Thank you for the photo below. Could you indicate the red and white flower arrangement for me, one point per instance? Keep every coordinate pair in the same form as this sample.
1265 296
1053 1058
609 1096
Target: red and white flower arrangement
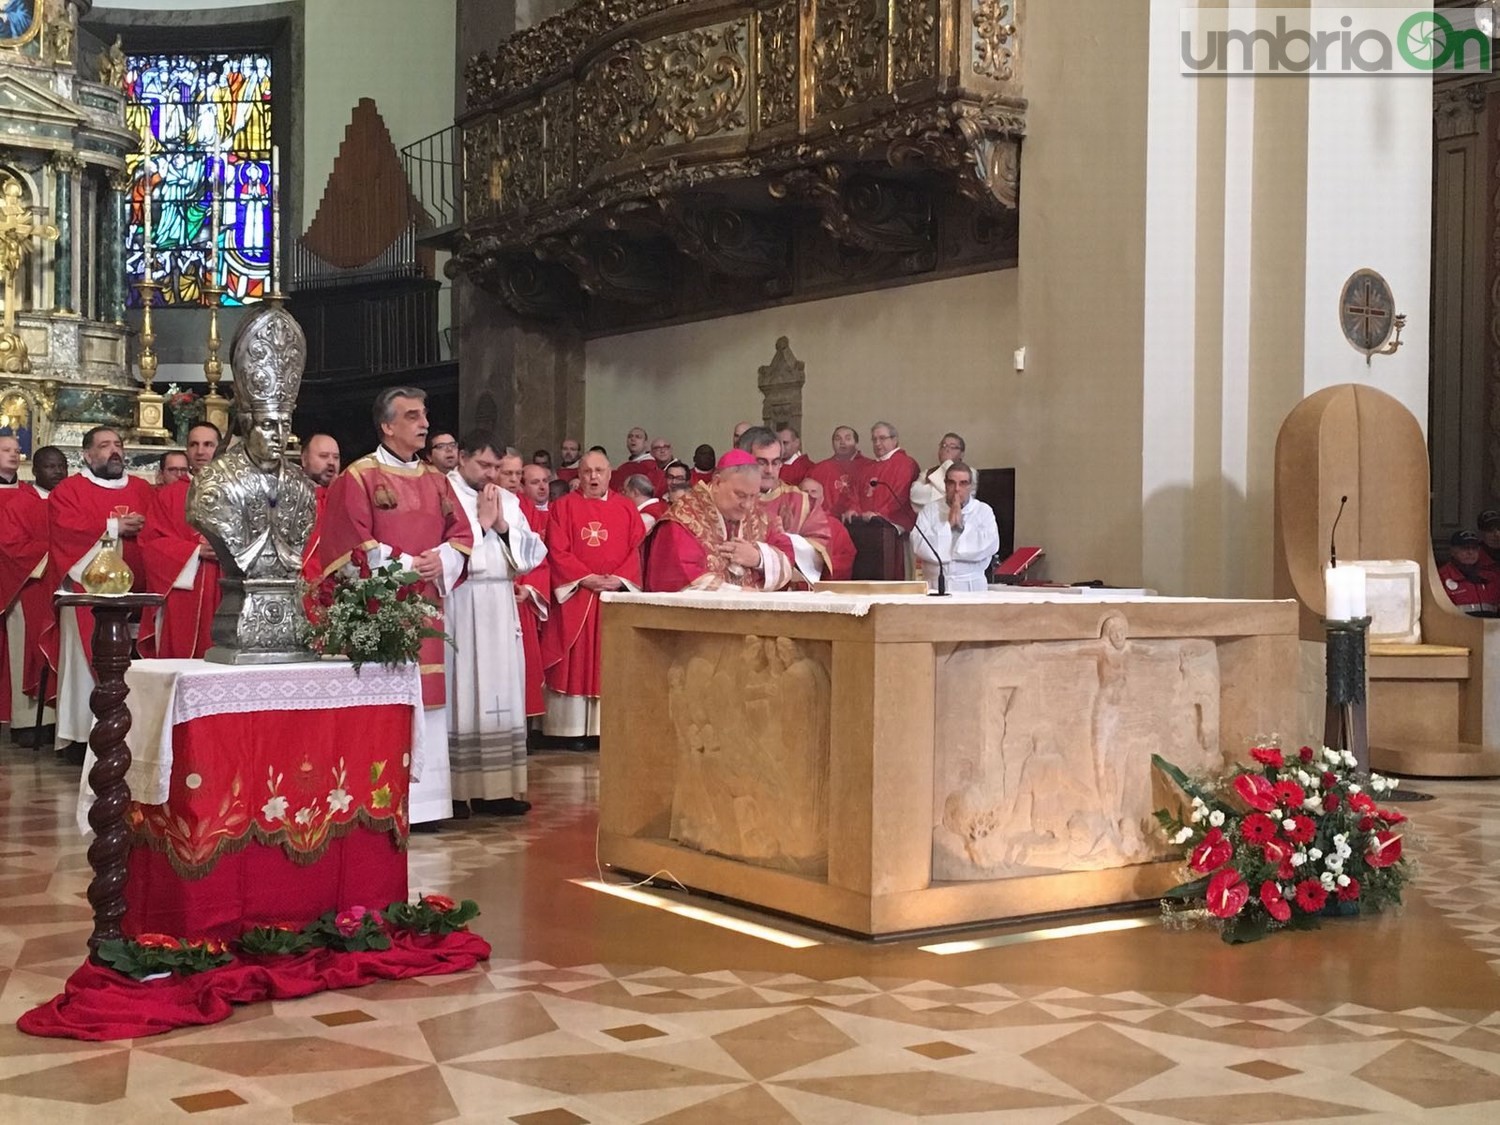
371 616
1281 841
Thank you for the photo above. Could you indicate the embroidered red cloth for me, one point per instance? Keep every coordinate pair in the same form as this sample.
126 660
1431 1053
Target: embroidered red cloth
99 1004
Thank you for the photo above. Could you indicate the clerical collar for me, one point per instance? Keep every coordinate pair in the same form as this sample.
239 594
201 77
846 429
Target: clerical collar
119 482
383 454
889 455
42 492
792 458
11 483
643 457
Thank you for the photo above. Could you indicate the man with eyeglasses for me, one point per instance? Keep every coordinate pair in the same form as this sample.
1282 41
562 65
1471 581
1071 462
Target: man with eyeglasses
442 451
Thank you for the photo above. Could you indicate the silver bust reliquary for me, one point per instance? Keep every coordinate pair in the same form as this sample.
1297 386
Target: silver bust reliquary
255 510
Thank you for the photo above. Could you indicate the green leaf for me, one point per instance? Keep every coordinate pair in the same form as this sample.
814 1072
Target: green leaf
1197 888
1177 776
1246 927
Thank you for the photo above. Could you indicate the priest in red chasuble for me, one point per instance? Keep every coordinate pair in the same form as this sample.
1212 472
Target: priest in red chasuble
844 475
592 540
719 535
795 465
885 492
78 510
637 445
320 461
840 546
806 526
180 564
25 599
395 506
534 589
568 453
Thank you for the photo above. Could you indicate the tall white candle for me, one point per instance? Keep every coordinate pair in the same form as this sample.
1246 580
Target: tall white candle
146 216
1344 593
275 218
218 207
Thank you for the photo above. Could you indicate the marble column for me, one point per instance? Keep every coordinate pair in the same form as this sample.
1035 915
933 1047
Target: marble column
112 251
63 170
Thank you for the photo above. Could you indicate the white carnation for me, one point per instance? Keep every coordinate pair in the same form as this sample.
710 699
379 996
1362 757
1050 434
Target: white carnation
1216 818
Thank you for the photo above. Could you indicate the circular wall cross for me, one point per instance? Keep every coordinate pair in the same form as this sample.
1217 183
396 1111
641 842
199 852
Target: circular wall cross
1367 311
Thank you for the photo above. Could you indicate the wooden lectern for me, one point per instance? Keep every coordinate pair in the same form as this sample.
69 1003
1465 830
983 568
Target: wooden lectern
879 553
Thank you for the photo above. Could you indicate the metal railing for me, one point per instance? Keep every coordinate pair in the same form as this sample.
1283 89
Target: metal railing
432 170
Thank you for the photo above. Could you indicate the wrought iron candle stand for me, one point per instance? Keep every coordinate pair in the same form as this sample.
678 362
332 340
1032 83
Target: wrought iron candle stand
1345 720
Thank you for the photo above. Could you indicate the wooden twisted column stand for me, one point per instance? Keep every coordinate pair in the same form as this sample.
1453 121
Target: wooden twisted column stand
110 851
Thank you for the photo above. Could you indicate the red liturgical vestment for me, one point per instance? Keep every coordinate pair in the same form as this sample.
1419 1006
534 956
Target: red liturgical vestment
890 499
169 545
843 482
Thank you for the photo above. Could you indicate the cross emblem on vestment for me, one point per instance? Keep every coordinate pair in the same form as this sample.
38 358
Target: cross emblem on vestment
595 534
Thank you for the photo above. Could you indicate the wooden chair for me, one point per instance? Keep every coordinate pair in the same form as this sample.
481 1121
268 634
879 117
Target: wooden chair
1432 712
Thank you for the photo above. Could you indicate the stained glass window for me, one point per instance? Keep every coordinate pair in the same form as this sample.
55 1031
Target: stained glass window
204 122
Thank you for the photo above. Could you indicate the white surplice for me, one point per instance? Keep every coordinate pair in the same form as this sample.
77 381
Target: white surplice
965 550
486 673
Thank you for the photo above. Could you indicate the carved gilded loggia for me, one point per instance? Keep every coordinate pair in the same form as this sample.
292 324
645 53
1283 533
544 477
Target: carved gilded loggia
668 154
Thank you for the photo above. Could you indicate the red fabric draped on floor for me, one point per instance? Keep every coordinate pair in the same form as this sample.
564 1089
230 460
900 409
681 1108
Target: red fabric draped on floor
99 1004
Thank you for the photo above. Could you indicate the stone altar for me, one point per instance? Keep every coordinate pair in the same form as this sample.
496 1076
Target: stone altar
884 764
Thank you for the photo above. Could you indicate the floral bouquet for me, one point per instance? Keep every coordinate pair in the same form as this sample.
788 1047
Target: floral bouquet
372 617
157 955
1278 843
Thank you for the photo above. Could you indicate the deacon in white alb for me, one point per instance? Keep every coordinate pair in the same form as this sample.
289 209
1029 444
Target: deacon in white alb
962 529
486 672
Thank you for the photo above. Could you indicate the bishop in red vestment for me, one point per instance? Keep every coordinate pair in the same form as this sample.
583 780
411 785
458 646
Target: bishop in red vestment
843 475
592 540
392 505
719 534
25 598
77 512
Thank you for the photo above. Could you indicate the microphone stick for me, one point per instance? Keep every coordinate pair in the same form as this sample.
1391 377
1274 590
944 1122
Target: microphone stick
942 590
1333 554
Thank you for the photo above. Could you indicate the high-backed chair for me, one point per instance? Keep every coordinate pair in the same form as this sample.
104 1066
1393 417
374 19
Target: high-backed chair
1434 702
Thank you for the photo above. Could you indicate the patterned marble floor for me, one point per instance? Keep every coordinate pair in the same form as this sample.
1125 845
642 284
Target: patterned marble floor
600 1010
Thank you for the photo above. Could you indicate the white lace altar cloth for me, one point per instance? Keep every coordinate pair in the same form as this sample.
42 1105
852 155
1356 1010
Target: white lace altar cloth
858 605
164 693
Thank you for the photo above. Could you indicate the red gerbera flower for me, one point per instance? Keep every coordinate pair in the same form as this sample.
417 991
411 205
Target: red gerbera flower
1311 896
1227 894
1385 851
1268 756
1255 791
1257 828
1349 893
1212 852
1276 906
1289 793
1302 831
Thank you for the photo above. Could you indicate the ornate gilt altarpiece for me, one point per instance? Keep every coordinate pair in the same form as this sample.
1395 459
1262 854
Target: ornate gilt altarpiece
634 162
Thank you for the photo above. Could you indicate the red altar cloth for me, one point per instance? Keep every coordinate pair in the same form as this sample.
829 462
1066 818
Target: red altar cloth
304 814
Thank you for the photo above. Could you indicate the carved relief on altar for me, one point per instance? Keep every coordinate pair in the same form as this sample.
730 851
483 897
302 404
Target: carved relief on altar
1044 750
781 383
750 719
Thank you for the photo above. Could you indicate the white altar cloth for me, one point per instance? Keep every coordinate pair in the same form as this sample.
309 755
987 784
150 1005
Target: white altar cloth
164 693
858 605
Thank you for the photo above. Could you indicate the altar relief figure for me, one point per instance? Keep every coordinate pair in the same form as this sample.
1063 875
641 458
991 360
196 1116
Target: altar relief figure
1044 750
750 719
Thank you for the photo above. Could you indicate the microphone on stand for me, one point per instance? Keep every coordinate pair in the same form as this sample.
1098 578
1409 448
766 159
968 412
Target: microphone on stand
1333 551
942 590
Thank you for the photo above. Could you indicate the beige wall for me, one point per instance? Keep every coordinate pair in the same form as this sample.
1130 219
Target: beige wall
938 355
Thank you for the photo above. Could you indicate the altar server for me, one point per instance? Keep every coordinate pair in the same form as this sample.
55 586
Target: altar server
963 531
592 540
180 564
393 505
78 511
25 599
486 664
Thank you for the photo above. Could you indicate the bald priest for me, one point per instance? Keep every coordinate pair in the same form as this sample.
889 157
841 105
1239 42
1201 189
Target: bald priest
719 534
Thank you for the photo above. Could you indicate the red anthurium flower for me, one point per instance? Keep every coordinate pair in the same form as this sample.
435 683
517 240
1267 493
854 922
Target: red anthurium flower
1391 816
1212 852
372 605
1255 791
1257 828
1268 756
1285 870
1276 906
1303 830
1306 753
1289 793
1277 851
439 902
1311 896
1361 803
1227 894
1385 851
1349 893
